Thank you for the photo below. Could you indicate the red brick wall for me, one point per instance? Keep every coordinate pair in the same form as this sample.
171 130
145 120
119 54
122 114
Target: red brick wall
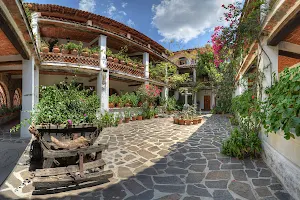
284 62
10 85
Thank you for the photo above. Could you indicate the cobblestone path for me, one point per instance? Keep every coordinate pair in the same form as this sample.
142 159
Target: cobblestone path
156 159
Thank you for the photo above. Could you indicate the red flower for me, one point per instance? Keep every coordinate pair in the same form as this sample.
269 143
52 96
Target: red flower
253 96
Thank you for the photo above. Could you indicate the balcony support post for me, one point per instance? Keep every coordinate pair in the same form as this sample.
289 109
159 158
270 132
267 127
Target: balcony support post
146 65
103 76
35 29
28 94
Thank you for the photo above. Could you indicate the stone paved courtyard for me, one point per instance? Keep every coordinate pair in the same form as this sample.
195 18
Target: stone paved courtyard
156 159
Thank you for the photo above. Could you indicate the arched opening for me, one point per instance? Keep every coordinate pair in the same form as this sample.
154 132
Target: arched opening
182 61
3 95
17 99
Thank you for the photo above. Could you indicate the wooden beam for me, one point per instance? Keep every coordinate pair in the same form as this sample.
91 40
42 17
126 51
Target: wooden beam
289 54
290 47
12 35
285 30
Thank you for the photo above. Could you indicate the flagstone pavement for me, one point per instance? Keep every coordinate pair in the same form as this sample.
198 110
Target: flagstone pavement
156 159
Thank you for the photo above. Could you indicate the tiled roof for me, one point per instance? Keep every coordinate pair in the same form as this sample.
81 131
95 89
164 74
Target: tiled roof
83 16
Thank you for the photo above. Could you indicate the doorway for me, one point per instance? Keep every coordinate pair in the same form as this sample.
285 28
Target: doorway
206 102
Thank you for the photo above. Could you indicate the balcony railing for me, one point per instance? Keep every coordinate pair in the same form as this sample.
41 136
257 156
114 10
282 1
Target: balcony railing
89 61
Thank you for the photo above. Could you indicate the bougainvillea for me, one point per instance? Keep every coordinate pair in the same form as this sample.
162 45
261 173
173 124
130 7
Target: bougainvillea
149 92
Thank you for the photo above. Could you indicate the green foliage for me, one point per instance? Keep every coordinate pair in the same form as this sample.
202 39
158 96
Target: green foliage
241 145
282 107
170 104
65 102
106 120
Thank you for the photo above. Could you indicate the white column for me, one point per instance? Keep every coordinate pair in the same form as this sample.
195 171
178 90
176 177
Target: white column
268 64
195 99
176 94
36 84
146 64
194 75
35 28
103 76
186 98
27 94
165 93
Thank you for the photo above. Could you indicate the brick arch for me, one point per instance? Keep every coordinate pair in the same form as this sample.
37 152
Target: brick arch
4 95
17 98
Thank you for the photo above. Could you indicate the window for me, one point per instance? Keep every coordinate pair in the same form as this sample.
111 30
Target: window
182 61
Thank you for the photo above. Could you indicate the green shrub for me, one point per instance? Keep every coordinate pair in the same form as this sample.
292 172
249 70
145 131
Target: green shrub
241 145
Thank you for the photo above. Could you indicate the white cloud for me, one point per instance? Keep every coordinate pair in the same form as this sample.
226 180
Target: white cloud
124 4
123 12
130 23
87 5
111 9
185 20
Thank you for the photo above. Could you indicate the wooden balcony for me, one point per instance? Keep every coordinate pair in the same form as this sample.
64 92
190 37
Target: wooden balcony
89 61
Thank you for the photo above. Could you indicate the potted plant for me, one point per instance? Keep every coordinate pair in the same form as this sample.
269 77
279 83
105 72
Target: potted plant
120 102
126 98
95 51
195 120
133 116
127 116
155 113
139 116
176 119
181 121
64 49
56 48
109 55
72 47
134 99
199 120
86 52
187 120
112 100
44 46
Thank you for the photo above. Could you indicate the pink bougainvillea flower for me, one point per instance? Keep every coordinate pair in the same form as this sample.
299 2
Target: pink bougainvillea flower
85 115
253 96
69 122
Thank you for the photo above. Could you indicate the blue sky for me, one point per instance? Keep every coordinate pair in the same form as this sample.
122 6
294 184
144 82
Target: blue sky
175 24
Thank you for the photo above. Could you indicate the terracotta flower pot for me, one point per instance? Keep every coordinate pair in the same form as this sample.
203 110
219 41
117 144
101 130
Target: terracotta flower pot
139 117
130 64
156 116
110 59
64 51
116 60
127 119
95 55
133 118
85 54
74 52
195 121
56 49
199 120
122 62
120 121
127 105
176 120
142 68
181 121
45 49
188 122
140 104
111 105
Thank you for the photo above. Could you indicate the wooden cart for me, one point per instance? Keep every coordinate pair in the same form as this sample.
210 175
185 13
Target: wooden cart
64 169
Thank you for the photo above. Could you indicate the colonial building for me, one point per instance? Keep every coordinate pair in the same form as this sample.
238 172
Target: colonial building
279 49
186 60
25 64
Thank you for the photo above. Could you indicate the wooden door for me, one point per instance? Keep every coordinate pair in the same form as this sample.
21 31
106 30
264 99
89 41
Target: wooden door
206 102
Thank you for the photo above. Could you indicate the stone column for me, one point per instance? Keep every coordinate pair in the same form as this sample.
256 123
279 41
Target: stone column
195 80
103 76
268 64
146 64
28 95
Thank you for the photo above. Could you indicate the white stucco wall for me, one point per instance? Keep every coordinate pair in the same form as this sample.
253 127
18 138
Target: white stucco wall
200 97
